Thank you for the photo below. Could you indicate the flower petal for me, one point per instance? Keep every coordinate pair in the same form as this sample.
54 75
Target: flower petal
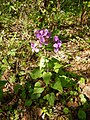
42 39
41 32
36 50
55 45
56 38
56 50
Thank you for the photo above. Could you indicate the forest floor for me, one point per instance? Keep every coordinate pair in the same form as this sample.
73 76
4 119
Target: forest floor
75 53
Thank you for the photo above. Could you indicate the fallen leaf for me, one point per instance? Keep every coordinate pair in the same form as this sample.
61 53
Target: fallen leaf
86 90
72 104
39 111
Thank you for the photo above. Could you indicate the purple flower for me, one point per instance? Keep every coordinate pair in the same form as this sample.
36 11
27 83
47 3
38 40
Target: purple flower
46 33
56 38
57 47
56 50
34 47
42 40
57 44
42 35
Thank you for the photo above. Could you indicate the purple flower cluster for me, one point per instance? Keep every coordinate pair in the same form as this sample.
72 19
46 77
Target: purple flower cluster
57 44
43 36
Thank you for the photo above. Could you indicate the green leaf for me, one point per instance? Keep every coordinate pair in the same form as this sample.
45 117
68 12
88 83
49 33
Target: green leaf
38 84
28 102
51 98
12 52
2 83
57 66
73 92
66 110
47 77
1 110
23 94
5 64
82 80
66 81
81 114
12 79
5 61
57 85
38 88
83 99
88 41
54 9
36 73
35 96
50 64
17 88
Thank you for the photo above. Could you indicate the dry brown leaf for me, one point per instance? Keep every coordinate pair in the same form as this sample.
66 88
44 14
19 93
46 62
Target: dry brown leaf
86 90
72 104
39 111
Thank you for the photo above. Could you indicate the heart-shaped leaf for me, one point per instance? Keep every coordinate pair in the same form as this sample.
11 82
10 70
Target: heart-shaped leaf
38 88
36 73
47 77
57 85
51 98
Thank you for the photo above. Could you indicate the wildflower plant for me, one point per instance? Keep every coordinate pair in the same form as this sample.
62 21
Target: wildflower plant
49 75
